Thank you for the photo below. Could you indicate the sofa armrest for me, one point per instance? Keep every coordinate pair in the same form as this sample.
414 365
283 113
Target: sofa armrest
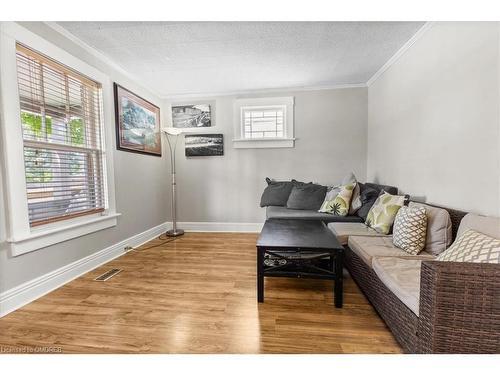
459 307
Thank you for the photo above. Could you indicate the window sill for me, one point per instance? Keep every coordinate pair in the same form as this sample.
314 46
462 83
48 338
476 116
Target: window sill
49 236
264 143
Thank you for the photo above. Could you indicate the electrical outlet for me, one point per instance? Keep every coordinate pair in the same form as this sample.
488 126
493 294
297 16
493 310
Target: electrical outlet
128 248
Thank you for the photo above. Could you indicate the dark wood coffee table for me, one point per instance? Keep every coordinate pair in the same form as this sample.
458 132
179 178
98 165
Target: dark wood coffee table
301 249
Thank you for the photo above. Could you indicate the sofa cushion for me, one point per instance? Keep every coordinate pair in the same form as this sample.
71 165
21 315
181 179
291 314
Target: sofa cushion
276 193
488 225
401 277
473 247
306 197
368 247
439 235
275 212
410 227
344 230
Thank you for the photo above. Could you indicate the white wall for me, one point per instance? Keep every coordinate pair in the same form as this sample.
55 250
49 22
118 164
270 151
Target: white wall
141 191
330 127
433 119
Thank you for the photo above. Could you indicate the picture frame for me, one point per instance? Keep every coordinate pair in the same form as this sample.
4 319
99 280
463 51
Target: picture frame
204 145
137 123
193 116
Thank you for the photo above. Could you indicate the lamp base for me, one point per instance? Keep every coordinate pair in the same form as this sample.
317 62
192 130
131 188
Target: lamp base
176 233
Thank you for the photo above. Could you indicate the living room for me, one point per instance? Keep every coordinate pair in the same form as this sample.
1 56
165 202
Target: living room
216 156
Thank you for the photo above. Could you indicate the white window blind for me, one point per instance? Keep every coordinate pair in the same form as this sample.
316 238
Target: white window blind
263 122
61 114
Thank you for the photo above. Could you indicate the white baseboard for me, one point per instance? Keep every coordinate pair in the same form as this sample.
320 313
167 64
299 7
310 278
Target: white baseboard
206 226
23 294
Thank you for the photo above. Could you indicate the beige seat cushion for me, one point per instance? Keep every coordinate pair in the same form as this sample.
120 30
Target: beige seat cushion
488 225
369 247
401 277
344 230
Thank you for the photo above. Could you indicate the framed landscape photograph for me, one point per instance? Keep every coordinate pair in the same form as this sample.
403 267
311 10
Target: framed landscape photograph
204 144
137 123
192 116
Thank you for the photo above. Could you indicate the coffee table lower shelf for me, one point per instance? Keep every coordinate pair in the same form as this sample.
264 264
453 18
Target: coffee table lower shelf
326 264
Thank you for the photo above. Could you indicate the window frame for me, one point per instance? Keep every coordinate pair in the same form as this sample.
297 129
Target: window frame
287 140
22 238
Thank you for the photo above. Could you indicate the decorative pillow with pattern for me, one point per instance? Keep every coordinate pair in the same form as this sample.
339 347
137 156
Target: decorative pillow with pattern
473 247
331 194
383 212
410 229
339 206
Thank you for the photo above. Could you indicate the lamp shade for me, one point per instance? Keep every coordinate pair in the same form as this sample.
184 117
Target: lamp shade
172 131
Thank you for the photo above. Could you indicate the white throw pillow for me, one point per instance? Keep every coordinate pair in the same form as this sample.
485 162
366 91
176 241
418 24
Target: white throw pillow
409 230
473 247
439 234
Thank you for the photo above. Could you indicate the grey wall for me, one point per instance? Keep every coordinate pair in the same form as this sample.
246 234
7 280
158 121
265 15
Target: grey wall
433 119
141 193
330 127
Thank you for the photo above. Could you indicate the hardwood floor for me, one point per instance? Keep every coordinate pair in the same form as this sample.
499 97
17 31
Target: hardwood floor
197 295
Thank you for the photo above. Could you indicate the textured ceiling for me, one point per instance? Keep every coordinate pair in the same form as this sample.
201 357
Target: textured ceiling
177 58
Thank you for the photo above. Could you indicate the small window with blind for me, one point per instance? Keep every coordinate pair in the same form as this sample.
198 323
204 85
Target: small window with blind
61 118
264 122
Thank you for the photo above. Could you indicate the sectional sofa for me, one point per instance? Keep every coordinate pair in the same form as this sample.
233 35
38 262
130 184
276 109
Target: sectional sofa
430 306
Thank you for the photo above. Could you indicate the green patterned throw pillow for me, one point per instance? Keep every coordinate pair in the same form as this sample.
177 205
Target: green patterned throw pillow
381 215
339 206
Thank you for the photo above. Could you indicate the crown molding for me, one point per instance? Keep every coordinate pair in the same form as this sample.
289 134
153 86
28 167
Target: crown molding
400 52
263 91
98 55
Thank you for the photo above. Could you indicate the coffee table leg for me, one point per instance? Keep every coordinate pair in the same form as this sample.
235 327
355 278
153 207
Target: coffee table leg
339 279
260 274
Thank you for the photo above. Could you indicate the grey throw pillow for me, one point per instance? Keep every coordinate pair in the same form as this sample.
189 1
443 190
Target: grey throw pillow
367 196
306 197
276 193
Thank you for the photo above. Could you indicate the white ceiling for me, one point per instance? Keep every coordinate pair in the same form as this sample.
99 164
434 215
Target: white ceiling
182 58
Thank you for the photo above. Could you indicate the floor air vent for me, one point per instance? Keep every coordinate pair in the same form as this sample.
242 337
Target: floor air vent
108 275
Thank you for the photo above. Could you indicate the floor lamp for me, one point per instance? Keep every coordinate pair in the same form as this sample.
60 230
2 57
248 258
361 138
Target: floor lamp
172 145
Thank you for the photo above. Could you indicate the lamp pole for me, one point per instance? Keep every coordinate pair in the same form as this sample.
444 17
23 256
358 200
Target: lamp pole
174 232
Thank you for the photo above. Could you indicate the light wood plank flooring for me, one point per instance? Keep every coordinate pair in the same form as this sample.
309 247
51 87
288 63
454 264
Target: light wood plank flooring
197 295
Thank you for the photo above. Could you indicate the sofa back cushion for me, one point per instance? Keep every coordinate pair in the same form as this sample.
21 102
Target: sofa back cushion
306 197
387 188
488 225
276 193
439 235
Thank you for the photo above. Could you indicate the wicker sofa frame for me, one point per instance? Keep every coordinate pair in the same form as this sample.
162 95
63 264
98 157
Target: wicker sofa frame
459 304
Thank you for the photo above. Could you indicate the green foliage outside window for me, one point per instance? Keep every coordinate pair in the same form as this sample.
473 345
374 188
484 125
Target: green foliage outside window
76 131
38 163
34 123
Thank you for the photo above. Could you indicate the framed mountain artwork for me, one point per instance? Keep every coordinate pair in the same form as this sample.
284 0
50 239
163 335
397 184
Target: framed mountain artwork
137 123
